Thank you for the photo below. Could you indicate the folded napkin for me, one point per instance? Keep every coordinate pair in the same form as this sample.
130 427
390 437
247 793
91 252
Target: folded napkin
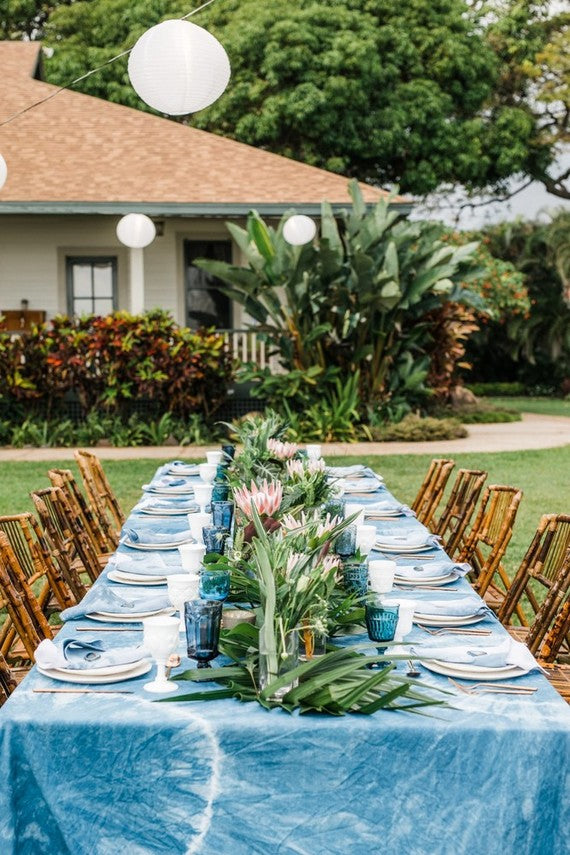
168 503
149 564
82 655
366 484
148 536
508 652
419 571
101 599
387 506
181 467
346 471
460 606
173 485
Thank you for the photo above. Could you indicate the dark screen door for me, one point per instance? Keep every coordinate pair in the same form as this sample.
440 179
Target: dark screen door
206 306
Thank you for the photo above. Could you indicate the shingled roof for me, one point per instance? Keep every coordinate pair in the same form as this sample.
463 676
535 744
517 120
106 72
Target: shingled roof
77 153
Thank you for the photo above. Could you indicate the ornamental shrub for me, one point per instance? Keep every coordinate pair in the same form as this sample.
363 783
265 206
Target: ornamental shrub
112 362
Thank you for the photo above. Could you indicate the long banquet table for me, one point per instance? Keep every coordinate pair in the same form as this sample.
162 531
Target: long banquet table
96 774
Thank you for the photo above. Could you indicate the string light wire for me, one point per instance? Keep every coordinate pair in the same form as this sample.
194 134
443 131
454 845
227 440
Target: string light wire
89 73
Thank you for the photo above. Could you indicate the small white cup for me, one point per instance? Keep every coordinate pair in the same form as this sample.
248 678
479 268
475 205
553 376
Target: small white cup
365 538
214 457
313 451
197 523
381 575
351 508
191 555
405 616
207 472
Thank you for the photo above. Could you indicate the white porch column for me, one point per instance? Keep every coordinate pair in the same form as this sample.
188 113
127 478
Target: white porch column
136 262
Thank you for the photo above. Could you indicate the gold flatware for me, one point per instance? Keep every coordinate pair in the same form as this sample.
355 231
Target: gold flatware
97 629
494 688
444 630
83 691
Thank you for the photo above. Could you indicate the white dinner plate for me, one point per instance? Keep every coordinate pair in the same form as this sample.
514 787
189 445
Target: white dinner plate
109 617
132 579
136 669
435 581
108 671
167 512
362 488
383 515
473 672
155 547
186 490
447 620
403 548
183 471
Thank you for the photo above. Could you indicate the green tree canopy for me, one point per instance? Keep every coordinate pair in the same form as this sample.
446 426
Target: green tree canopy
420 93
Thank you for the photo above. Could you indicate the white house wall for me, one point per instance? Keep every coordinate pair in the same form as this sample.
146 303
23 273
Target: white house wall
33 251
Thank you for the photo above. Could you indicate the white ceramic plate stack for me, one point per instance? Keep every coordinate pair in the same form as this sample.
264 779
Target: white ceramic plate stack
402 544
384 514
156 547
361 485
183 471
96 676
132 617
163 490
447 620
125 578
430 581
479 673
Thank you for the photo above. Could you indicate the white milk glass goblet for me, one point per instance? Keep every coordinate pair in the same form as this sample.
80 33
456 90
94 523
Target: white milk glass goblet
207 472
214 457
203 495
160 638
381 575
197 523
405 615
314 451
183 587
352 508
191 555
365 538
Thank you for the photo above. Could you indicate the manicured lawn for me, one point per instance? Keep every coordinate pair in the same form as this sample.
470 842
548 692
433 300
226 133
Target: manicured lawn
542 406
542 475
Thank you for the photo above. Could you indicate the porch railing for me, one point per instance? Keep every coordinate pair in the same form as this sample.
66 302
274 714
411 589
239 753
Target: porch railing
248 346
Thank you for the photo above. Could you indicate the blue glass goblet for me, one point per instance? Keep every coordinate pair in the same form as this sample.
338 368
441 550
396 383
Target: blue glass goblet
222 514
229 451
355 578
220 493
214 537
381 623
345 543
335 508
214 584
203 618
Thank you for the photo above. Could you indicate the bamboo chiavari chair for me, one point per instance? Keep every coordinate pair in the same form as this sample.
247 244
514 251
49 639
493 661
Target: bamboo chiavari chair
541 566
63 478
559 677
99 490
66 531
7 681
18 600
459 509
431 492
556 635
493 528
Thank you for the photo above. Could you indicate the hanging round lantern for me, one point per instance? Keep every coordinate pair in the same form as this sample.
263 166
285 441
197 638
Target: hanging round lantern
136 230
3 171
299 230
178 68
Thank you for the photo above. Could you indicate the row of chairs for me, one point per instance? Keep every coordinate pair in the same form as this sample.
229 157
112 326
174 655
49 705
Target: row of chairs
48 561
534 605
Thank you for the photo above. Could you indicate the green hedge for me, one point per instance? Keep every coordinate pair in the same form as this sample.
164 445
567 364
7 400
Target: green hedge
498 390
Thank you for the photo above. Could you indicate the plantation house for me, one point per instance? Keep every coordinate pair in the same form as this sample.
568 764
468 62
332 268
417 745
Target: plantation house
76 164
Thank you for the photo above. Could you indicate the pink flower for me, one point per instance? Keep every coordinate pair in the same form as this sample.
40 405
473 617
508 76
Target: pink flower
295 469
282 450
266 498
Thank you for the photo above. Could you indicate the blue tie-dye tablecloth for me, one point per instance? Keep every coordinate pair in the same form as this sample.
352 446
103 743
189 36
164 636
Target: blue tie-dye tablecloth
122 775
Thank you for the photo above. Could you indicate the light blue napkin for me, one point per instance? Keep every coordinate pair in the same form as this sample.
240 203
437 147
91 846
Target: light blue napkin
149 564
508 652
418 572
168 503
184 467
101 599
406 541
149 536
75 655
385 505
451 606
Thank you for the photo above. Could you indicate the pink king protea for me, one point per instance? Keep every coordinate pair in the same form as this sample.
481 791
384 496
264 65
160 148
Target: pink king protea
282 450
266 498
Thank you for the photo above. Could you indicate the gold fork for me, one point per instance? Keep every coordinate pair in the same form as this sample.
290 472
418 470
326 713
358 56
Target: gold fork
493 688
458 631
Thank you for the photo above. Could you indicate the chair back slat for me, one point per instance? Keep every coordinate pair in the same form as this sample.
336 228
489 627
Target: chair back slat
68 535
492 529
63 478
7 682
23 609
99 490
431 491
459 508
556 635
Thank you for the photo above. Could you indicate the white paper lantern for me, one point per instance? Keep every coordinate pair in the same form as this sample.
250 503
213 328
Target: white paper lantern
299 229
3 171
178 68
136 230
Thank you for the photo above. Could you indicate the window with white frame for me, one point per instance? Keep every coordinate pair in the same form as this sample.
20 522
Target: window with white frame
91 285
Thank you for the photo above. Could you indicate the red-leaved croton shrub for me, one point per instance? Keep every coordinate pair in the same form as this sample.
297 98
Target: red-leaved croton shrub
110 361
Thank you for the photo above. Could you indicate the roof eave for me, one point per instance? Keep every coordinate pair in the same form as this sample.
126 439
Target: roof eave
182 209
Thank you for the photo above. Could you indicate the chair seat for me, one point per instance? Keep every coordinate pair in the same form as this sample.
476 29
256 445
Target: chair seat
559 677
